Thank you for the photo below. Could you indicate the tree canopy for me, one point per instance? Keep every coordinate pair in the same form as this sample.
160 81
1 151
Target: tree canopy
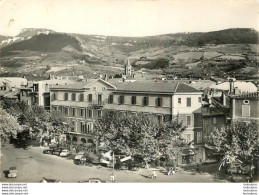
138 134
35 118
9 126
237 141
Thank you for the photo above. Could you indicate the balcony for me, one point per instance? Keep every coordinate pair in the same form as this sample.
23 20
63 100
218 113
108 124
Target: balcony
98 104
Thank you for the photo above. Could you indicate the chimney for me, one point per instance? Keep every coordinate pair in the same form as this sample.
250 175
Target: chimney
105 77
231 85
236 91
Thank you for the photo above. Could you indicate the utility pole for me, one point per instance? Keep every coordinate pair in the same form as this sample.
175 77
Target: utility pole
113 159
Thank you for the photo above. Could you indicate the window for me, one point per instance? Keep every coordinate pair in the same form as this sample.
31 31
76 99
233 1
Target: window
133 100
199 137
66 96
188 101
82 112
60 109
188 120
82 127
246 101
66 110
73 126
73 97
214 120
103 88
89 128
145 101
245 110
94 88
159 102
99 113
73 112
81 97
110 100
199 99
90 97
55 96
121 99
179 100
90 113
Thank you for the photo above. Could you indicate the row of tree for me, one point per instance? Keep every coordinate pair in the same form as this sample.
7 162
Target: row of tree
139 134
132 134
19 119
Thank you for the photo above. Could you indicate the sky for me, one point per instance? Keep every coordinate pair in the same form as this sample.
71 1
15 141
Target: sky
127 17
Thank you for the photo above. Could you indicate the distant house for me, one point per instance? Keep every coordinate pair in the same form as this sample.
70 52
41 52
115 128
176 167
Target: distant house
244 107
7 83
10 86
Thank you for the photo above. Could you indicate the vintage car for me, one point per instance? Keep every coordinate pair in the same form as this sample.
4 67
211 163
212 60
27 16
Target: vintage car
57 151
79 155
149 173
48 151
12 173
65 153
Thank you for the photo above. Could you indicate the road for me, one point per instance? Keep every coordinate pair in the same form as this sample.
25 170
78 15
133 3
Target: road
32 165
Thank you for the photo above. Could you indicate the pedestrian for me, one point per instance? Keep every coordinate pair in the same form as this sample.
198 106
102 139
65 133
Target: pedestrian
112 177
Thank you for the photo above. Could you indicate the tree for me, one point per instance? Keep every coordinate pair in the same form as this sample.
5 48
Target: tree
137 134
237 141
9 127
36 118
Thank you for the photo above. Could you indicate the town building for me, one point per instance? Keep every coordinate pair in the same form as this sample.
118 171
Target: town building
10 86
232 105
7 83
84 102
244 107
38 92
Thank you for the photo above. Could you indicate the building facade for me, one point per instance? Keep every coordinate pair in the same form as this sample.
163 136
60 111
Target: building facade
220 112
83 103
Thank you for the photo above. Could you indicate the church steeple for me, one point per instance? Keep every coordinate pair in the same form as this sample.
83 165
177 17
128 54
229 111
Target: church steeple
128 68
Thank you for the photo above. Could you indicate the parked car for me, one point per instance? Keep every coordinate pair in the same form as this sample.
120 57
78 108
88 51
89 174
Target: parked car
57 151
12 173
79 155
93 180
48 151
65 153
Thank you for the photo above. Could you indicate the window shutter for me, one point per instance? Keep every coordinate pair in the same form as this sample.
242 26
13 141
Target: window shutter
90 97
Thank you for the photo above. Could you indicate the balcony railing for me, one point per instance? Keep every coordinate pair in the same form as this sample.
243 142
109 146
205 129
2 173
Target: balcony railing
98 103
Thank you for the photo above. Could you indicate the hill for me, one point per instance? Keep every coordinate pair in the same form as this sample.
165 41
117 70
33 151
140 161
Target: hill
230 52
52 42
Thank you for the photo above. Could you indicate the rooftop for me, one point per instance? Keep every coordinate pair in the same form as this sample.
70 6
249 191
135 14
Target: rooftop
158 87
